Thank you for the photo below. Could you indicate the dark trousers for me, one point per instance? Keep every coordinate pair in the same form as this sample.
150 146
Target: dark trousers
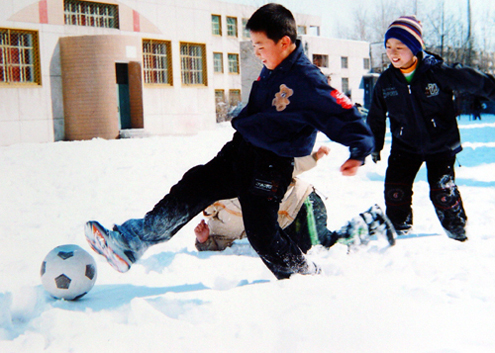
258 178
401 172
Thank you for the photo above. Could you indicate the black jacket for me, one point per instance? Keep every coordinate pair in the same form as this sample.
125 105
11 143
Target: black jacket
288 105
422 113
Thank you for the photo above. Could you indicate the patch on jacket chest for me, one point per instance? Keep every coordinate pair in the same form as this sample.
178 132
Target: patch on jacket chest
389 92
281 100
341 99
432 90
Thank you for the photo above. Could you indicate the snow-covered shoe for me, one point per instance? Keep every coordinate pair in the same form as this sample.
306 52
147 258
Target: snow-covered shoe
101 240
355 233
379 224
457 233
311 268
403 229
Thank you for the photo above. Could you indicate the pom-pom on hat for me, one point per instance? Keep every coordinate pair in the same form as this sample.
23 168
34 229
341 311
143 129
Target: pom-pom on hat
409 31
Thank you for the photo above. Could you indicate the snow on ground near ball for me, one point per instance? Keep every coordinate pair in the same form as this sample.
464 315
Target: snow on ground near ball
431 294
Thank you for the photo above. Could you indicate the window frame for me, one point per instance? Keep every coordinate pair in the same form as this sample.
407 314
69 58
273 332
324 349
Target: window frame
234 93
347 84
245 31
148 71
217 55
190 71
366 63
219 99
213 24
237 67
232 29
9 62
81 13
344 62
324 60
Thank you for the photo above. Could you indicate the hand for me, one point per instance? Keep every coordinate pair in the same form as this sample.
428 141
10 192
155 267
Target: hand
202 231
322 151
350 167
375 156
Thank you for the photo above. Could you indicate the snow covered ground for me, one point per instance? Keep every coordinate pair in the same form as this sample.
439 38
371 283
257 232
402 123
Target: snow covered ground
431 294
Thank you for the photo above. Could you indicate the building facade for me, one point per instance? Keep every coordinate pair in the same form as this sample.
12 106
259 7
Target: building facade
76 70
344 62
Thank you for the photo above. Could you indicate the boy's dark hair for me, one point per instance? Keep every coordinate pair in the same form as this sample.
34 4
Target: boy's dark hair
275 21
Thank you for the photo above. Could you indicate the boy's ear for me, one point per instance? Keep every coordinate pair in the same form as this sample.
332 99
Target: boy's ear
286 42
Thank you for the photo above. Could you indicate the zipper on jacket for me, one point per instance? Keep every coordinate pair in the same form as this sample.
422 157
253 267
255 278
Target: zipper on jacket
418 123
402 128
433 122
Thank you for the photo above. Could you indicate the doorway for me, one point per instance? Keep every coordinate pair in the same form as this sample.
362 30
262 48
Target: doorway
123 96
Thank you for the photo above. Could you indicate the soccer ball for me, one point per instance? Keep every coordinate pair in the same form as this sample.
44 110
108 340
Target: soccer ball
68 272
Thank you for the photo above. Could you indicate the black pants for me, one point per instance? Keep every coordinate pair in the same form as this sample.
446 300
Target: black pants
401 172
259 178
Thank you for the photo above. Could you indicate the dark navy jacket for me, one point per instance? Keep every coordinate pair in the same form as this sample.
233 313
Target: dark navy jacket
422 114
289 127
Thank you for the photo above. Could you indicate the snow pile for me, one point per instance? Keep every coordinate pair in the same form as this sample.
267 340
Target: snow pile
431 294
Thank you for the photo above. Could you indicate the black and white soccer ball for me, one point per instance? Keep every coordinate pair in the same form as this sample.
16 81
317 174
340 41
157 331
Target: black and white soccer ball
68 272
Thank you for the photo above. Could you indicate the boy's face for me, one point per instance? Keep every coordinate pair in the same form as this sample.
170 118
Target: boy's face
270 53
399 54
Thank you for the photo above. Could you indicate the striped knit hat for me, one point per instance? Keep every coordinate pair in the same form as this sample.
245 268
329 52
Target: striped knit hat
409 31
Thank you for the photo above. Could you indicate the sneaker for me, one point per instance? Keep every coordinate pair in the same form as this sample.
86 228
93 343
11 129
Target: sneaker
379 224
103 242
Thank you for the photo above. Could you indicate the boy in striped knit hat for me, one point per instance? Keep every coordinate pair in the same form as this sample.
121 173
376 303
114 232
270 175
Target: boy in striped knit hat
416 93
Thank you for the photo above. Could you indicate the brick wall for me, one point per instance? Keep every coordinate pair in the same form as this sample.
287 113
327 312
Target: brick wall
89 84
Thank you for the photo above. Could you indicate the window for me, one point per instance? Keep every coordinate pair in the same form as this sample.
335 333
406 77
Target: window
19 56
219 96
233 63
193 64
216 25
245 31
232 26
157 62
366 63
234 97
301 30
320 60
218 62
92 14
345 85
344 62
314 31
221 108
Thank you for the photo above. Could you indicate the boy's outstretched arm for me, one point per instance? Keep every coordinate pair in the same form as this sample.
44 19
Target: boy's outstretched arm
303 164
